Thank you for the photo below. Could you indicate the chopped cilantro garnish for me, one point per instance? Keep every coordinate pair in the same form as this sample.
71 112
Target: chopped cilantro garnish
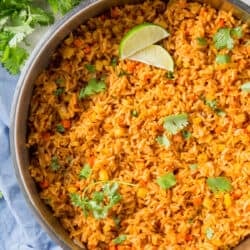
212 104
222 59
59 81
201 41
94 86
123 73
134 113
163 140
170 75
237 32
193 166
219 184
59 91
85 171
90 68
114 61
209 233
60 128
63 6
101 201
166 181
120 239
174 123
186 134
54 163
222 39
245 87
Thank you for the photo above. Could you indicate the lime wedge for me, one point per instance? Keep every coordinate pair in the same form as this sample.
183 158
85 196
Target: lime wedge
154 55
140 37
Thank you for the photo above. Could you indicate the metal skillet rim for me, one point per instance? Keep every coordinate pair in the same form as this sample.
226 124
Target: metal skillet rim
34 57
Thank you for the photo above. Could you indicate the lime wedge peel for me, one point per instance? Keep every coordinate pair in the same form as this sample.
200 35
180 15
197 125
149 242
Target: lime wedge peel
140 37
154 55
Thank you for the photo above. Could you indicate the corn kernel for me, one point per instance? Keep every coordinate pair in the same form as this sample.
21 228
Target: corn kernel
207 203
103 175
141 192
68 52
72 189
227 200
98 65
197 120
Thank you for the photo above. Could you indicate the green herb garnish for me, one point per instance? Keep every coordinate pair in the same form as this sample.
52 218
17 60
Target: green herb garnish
237 32
54 163
212 104
209 233
174 123
59 91
170 75
100 203
201 41
193 166
1 195
59 81
120 239
134 113
163 140
94 86
245 87
90 68
219 184
166 181
222 59
85 171
186 134
114 62
222 39
63 6
123 73
60 128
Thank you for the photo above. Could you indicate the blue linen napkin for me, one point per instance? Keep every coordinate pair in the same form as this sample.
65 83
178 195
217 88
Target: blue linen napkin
18 227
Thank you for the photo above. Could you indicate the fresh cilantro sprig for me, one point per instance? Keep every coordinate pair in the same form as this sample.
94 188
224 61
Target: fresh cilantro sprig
175 123
54 163
19 19
213 105
94 86
163 140
120 239
85 171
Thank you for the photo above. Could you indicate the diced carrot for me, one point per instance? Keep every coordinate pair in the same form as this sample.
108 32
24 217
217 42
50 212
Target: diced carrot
46 136
131 66
78 43
112 247
236 194
221 23
115 12
197 201
188 237
87 50
91 161
142 183
44 184
66 123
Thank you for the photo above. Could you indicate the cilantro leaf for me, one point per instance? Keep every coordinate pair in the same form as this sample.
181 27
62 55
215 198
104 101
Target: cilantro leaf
166 181
201 41
78 201
209 233
94 86
193 166
40 16
170 75
63 6
13 58
111 191
134 113
120 239
5 37
222 59
186 134
59 91
114 61
222 39
99 211
85 171
98 196
90 68
163 140
237 32
174 123
245 87
60 128
212 104
219 184
54 164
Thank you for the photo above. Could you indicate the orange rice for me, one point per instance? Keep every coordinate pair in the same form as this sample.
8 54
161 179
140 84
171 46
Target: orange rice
118 146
